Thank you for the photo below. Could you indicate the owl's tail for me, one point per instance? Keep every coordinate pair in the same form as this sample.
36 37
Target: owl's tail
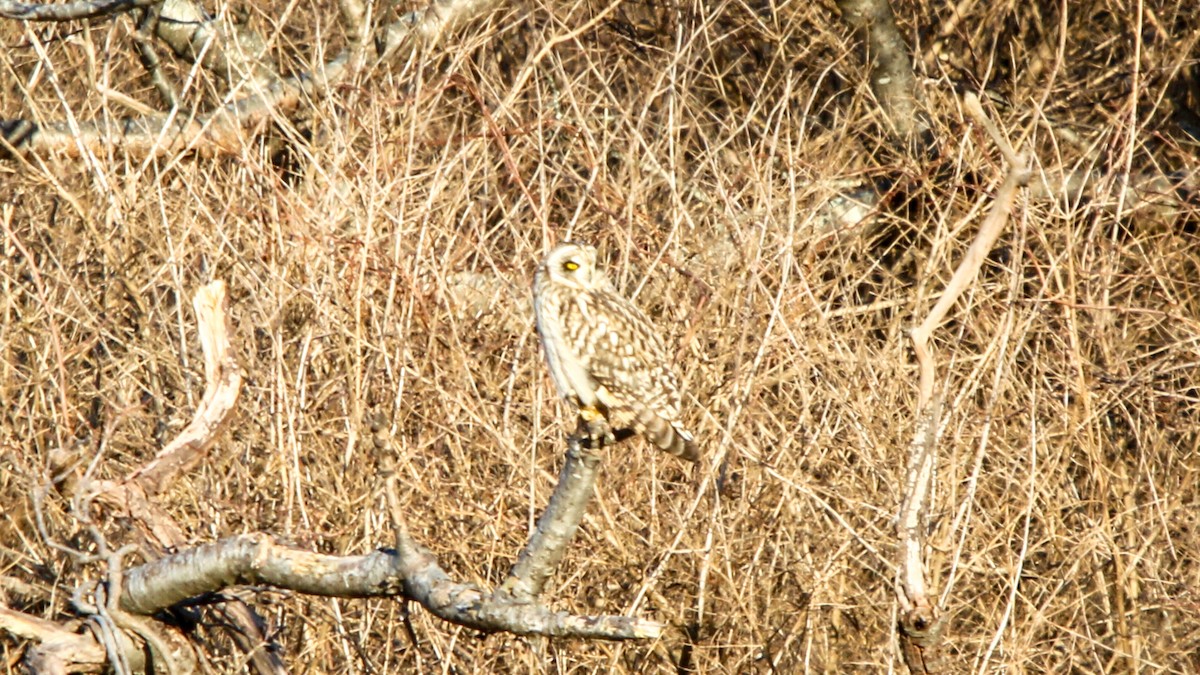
669 436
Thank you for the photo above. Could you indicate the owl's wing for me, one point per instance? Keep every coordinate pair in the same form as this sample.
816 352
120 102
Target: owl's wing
634 379
627 356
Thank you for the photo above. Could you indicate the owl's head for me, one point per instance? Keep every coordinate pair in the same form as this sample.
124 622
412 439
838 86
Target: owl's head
573 265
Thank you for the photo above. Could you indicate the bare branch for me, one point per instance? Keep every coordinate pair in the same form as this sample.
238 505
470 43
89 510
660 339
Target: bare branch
223 384
891 68
133 496
975 110
234 53
557 525
972 261
919 623
429 24
55 646
413 573
68 11
150 135
512 607
148 55
29 627
190 32
1170 191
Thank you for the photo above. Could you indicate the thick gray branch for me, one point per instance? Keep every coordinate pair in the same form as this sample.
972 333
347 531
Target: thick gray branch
412 573
68 11
220 131
556 527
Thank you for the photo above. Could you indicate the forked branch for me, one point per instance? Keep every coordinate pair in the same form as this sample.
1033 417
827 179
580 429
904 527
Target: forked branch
408 571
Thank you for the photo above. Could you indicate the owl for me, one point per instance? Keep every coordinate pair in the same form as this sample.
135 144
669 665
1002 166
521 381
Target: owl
603 353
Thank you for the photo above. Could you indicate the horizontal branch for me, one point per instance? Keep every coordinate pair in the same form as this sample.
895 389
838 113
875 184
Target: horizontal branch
222 130
68 11
256 559
55 646
151 134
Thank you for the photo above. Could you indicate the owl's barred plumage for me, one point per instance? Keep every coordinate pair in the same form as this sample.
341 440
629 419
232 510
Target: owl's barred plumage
604 354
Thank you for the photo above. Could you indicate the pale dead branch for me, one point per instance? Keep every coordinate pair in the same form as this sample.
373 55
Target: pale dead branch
223 378
919 620
975 255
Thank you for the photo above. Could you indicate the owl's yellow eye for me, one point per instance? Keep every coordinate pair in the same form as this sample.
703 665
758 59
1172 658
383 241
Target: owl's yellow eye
570 266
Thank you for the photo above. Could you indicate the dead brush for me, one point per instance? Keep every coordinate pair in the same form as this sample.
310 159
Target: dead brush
377 236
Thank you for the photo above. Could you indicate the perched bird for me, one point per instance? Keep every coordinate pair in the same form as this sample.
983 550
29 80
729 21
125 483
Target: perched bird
604 354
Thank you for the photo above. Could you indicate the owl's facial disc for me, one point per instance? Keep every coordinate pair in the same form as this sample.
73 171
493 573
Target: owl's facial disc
572 264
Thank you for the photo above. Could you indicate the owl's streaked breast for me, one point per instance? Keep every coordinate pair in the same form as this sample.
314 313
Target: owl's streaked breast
569 372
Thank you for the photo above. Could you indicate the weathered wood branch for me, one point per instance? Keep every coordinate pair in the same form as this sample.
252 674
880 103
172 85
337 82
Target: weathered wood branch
193 35
55 645
68 11
557 525
223 384
409 571
920 626
892 78
234 53
973 259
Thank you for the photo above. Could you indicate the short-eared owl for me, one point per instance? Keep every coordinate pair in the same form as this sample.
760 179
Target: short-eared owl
604 354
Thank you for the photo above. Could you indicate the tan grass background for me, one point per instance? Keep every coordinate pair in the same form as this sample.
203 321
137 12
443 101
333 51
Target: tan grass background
694 143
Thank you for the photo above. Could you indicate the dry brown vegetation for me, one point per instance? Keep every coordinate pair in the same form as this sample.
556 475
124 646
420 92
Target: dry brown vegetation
385 266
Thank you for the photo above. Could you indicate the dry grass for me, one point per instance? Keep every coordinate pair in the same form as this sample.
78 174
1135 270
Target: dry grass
692 143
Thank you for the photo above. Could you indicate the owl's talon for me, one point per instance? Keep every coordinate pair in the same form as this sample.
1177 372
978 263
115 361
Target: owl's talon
607 437
594 426
595 432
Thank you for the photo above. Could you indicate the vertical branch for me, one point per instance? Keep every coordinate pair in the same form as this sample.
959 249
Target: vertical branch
891 76
355 22
143 38
972 261
557 525
919 624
